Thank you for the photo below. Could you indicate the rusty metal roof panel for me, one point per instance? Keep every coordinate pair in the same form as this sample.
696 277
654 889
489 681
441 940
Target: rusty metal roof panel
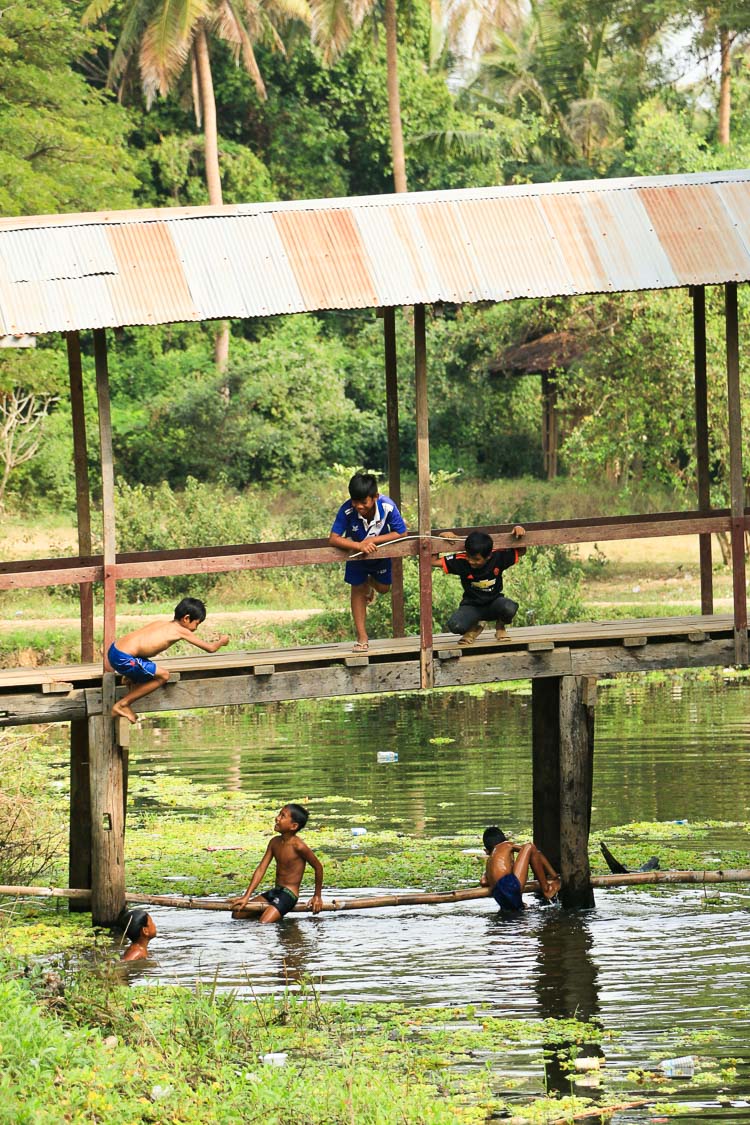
517 253
736 200
526 240
400 274
236 267
150 285
697 234
328 258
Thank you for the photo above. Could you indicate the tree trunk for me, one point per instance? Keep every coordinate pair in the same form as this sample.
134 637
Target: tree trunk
394 100
211 153
725 86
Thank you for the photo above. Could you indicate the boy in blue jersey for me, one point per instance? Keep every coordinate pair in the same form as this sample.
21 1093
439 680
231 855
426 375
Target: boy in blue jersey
506 877
362 525
480 569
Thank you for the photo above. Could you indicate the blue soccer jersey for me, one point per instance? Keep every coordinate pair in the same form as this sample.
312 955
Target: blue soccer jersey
351 525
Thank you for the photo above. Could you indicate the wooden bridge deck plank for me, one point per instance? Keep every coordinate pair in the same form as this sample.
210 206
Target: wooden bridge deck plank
581 633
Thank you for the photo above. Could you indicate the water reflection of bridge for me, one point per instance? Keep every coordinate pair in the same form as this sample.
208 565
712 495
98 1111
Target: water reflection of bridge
79 273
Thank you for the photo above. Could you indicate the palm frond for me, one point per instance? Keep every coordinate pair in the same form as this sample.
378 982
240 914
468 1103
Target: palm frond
95 11
332 27
232 27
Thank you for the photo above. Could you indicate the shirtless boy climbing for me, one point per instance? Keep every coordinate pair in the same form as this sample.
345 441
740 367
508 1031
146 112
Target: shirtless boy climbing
130 655
292 854
507 877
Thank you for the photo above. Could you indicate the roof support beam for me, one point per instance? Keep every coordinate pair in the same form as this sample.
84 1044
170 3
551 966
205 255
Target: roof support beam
394 458
423 498
736 481
698 294
83 494
109 547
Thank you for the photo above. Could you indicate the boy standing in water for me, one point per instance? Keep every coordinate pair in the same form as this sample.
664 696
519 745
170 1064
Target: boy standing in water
362 525
139 928
508 878
130 655
292 854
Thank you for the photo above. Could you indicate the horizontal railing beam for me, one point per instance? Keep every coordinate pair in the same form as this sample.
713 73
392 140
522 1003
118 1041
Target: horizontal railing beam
27 574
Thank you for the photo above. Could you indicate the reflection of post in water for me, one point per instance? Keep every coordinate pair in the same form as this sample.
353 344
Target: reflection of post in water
566 988
295 948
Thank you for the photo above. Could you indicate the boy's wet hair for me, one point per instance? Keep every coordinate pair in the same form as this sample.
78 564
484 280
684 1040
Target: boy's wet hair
299 815
478 543
131 921
363 485
491 837
193 608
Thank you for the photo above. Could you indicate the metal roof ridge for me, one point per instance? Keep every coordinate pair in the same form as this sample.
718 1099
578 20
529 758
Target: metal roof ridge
415 198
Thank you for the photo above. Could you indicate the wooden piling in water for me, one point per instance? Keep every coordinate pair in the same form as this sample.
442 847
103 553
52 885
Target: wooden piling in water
79 848
562 757
107 812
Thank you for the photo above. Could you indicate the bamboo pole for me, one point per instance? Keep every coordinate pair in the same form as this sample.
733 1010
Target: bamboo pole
439 898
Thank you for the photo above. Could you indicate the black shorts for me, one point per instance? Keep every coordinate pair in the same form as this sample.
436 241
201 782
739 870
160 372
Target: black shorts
282 898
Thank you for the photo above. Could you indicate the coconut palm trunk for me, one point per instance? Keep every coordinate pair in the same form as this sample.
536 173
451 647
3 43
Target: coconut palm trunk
394 98
725 87
211 153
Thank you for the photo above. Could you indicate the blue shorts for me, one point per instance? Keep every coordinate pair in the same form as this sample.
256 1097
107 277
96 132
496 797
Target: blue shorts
135 668
507 893
357 572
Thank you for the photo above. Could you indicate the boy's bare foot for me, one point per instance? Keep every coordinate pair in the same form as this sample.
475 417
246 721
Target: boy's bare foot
471 635
360 646
120 710
552 887
501 633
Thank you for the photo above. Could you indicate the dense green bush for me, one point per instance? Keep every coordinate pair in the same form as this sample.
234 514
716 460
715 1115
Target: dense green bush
201 515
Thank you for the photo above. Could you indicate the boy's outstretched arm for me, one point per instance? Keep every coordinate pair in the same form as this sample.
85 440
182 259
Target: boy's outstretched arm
260 870
207 646
316 902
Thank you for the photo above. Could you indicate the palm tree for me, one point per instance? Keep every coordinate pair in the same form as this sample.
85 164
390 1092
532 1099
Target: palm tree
333 24
164 35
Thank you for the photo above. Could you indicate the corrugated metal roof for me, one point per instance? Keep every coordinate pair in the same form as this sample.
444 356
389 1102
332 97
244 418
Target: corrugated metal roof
61 272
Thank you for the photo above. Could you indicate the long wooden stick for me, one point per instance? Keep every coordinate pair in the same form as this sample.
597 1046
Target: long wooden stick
187 902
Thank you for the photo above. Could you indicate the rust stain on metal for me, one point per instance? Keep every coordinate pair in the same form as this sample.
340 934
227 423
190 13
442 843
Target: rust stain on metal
514 250
328 258
567 221
696 233
150 287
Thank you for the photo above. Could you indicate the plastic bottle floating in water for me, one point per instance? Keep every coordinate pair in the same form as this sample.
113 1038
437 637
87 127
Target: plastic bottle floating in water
387 756
682 1067
358 831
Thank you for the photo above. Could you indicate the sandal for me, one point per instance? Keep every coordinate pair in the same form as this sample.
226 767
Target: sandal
361 646
471 634
501 633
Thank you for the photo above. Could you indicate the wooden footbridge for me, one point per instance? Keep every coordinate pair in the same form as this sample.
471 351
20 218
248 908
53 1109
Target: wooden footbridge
74 273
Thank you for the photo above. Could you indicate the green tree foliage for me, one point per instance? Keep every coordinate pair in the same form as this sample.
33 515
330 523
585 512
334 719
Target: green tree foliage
62 143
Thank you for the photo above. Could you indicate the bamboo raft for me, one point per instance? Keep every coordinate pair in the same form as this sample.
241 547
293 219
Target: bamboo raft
186 902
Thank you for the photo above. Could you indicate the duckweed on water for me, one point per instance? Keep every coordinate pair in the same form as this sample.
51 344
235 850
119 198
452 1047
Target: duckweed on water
99 1051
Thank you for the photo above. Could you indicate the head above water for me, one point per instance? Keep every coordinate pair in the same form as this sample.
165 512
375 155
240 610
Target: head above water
491 837
478 545
192 608
133 921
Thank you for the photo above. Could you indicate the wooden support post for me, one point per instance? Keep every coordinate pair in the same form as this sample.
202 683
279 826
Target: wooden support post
107 813
423 497
576 779
736 482
562 725
698 293
108 484
83 495
545 752
394 459
79 844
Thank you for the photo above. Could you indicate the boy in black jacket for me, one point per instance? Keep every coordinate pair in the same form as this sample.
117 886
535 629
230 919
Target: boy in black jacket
480 569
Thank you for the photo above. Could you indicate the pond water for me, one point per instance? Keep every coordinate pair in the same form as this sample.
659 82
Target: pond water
662 969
